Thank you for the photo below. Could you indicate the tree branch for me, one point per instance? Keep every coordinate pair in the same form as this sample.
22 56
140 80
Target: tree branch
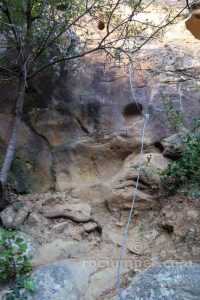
101 47
162 27
71 24
187 4
7 70
6 11
63 59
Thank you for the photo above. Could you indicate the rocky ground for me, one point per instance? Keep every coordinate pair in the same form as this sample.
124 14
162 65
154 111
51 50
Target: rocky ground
169 231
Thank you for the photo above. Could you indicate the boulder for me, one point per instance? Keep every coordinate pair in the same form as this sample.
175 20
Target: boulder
34 218
166 281
62 280
122 184
12 218
174 145
53 281
90 226
7 216
21 216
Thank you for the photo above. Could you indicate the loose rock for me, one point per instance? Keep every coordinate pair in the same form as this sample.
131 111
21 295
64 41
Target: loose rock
33 218
60 226
12 218
173 145
7 216
91 226
20 216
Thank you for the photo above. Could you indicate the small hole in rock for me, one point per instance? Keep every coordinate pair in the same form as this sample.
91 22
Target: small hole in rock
132 109
159 145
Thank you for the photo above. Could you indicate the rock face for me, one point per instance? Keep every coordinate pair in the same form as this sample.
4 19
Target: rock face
94 129
31 169
166 281
53 282
83 137
123 182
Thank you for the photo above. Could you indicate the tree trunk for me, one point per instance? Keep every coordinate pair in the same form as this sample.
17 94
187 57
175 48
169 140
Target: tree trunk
10 151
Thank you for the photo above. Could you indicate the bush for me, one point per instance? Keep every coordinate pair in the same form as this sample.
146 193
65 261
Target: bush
184 174
15 264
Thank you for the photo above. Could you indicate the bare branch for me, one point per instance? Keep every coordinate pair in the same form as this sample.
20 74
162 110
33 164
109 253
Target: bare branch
64 59
159 29
103 47
7 70
187 4
66 28
8 79
41 50
111 14
6 11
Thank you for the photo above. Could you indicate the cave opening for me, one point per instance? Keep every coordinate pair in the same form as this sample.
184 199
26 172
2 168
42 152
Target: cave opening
132 109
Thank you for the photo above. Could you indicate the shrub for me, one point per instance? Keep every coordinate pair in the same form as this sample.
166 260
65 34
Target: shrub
184 174
15 264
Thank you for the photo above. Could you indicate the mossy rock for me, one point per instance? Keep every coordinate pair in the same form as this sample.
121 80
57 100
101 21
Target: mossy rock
20 174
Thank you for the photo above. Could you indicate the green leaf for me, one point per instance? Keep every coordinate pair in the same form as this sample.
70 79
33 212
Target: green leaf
19 240
23 247
29 285
3 275
27 266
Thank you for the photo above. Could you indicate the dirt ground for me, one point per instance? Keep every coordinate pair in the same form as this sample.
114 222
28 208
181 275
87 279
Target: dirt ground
169 231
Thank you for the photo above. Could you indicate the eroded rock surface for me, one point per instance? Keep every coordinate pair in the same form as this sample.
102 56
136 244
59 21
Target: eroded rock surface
86 142
174 145
83 136
169 280
53 282
13 218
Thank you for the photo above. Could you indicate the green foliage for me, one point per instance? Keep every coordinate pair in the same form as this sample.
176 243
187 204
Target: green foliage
196 125
195 5
43 30
14 264
19 287
146 172
28 165
20 175
174 115
49 31
13 258
136 4
184 174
